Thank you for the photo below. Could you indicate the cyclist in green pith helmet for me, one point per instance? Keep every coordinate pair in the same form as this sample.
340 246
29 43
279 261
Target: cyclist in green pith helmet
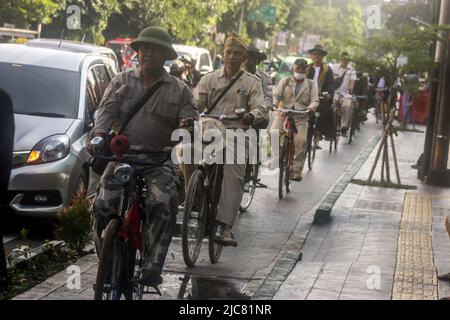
170 107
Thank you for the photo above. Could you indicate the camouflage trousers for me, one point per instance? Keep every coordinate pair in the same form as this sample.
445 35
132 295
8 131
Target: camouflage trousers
160 210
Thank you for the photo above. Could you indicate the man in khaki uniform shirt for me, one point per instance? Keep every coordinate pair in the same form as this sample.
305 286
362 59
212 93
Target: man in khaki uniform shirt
300 93
246 93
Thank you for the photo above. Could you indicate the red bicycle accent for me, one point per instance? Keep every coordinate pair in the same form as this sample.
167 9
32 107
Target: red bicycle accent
131 227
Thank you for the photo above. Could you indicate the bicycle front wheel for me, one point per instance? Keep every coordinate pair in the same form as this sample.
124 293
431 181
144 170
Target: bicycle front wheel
312 147
107 286
249 194
215 250
283 170
194 219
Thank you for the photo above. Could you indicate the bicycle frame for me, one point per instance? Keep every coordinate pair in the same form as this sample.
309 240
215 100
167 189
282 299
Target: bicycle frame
213 186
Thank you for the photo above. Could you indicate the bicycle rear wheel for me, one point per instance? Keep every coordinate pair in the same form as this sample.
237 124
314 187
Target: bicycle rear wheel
312 148
355 122
337 132
215 250
248 195
288 167
194 219
107 284
283 164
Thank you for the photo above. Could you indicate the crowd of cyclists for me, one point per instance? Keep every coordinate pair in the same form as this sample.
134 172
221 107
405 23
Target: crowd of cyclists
136 204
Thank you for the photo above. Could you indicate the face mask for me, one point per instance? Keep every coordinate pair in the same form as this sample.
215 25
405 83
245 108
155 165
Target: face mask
299 76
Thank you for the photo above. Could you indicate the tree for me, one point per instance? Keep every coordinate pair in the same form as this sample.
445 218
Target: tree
398 52
339 27
94 20
255 29
401 15
27 14
394 54
189 21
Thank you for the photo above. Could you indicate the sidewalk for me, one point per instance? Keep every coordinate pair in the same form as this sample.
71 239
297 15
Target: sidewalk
380 243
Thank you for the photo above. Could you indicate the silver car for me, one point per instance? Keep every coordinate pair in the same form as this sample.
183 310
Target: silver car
55 92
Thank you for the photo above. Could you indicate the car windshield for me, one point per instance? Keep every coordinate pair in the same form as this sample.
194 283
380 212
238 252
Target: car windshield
41 91
179 54
286 67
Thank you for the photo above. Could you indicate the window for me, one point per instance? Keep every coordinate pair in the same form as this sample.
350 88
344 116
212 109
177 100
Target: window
90 107
204 60
103 78
93 88
41 91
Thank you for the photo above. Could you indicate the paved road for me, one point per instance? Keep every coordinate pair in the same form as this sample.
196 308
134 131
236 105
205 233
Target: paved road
262 233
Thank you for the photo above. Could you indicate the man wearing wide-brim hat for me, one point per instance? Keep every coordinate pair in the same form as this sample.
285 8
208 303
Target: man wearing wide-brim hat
318 48
222 92
255 57
322 75
149 129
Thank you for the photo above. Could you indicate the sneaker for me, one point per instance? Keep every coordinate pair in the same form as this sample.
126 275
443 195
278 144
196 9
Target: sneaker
344 132
150 279
226 238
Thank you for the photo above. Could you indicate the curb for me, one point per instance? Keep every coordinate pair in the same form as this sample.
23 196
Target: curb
290 257
323 213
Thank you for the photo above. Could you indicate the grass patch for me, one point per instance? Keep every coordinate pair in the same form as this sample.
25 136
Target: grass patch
35 270
383 184
73 228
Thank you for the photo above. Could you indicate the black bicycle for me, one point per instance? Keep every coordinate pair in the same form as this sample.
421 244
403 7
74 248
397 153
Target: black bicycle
252 180
313 140
287 150
121 256
200 209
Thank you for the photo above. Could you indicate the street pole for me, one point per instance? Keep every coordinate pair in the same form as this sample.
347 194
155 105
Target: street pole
434 81
441 139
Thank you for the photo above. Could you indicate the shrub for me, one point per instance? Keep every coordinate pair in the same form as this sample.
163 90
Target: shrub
74 223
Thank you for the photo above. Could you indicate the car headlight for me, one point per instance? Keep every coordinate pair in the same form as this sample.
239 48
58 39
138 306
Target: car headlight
50 149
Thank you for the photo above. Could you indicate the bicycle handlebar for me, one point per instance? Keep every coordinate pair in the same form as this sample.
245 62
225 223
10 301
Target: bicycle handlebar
291 111
221 117
133 158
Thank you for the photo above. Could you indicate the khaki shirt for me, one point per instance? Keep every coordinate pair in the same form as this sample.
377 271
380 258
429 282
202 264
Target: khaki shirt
307 97
247 93
152 127
265 81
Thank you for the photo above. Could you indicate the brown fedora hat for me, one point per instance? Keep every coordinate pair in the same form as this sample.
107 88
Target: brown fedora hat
318 48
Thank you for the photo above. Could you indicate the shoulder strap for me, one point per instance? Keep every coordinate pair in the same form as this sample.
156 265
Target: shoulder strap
138 106
286 83
343 76
224 92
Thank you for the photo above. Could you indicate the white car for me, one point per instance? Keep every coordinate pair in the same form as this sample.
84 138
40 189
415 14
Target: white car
204 63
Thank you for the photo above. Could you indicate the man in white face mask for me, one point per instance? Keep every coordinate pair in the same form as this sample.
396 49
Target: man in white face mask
301 94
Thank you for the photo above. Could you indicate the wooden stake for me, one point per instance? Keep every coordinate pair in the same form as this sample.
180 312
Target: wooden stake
394 154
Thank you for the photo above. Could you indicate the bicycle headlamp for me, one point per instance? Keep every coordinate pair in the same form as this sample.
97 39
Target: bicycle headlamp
123 172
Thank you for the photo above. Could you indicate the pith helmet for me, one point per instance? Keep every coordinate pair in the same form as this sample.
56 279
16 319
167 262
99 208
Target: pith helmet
158 36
